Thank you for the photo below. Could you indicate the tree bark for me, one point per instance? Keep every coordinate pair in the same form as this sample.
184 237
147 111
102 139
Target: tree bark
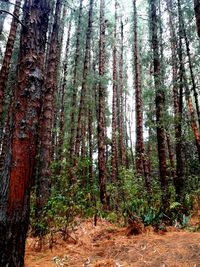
6 60
101 119
82 110
17 173
63 88
160 102
114 149
45 146
122 150
74 92
141 162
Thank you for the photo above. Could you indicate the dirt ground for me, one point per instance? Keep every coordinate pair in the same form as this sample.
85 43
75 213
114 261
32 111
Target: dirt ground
109 246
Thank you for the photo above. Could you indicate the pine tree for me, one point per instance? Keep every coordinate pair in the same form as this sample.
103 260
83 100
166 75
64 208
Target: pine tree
17 173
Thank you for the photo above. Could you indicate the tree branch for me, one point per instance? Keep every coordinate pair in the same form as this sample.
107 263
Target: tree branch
1 11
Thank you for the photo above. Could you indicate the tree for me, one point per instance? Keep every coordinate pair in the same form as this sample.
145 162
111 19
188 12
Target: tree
114 148
141 162
160 102
101 111
86 67
17 173
46 119
6 60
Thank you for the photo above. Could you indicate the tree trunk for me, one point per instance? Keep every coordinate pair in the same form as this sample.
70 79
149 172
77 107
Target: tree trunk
45 147
122 151
178 101
160 102
194 87
141 162
6 60
184 79
82 110
74 92
63 88
17 173
101 119
114 150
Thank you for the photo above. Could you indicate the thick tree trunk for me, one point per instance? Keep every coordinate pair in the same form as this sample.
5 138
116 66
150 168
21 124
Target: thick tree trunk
160 102
45 146
6 60
101 119
17 173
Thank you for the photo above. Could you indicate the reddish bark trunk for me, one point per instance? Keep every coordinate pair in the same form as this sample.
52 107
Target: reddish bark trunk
16 176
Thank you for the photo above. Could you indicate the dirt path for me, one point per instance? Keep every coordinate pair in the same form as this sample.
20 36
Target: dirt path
107 245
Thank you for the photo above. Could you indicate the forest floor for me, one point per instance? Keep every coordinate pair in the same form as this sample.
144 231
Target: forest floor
109 246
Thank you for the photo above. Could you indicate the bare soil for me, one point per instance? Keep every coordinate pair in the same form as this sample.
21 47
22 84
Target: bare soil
110 246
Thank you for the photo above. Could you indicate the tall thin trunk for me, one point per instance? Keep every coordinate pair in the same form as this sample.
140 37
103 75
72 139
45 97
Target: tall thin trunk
74 92
17 173
114 149
187 43
178 99
63 88
44 181
86 67
101 119
171 156
90 143
141 162
160 102
184 79
122 150
6 60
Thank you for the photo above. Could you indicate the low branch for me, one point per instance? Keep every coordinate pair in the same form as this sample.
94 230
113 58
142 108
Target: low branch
4 11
